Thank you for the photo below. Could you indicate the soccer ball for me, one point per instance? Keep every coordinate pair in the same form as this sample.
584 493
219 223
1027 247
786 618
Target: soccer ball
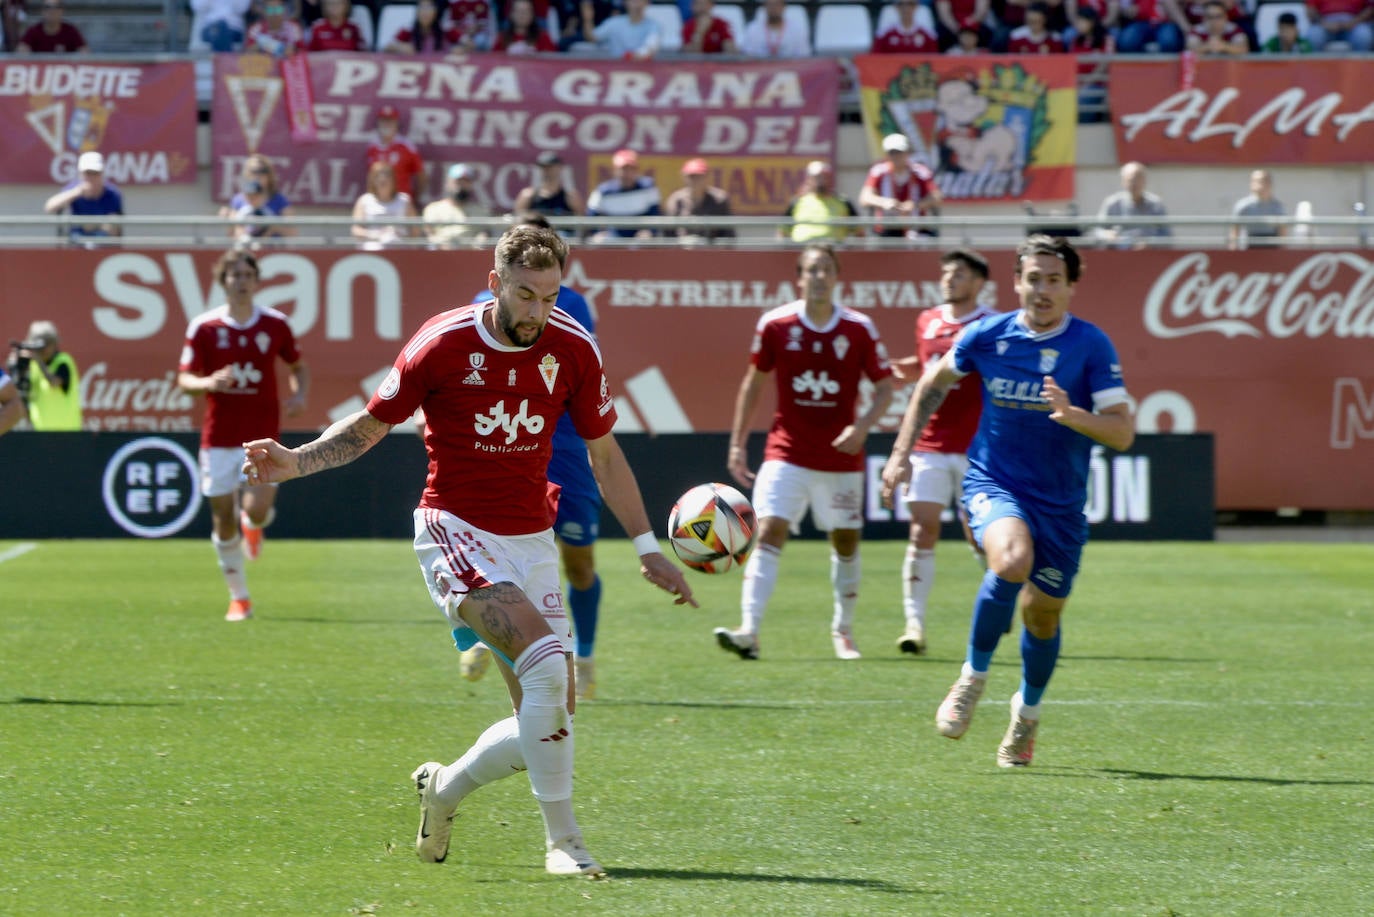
712 527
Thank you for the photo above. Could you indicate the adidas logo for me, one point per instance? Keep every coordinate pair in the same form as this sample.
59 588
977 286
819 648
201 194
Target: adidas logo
474 378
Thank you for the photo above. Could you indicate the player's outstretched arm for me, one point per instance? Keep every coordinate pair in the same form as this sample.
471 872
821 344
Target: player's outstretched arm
267 461
620 490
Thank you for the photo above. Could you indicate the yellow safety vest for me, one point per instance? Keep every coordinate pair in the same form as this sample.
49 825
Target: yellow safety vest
50 408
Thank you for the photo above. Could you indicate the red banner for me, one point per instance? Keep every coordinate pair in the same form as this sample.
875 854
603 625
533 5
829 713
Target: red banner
993 128
1250 110
141 116
300 99
1267 350
757 123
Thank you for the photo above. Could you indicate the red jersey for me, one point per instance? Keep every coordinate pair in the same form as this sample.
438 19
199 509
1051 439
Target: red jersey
1023 41
894 40
817 371
405 162
251 409
1228 35
473 17
67 39
951 428
490 411
914 183
326 37
717 34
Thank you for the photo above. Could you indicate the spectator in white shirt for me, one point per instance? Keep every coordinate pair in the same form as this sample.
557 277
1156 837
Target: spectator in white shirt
773 35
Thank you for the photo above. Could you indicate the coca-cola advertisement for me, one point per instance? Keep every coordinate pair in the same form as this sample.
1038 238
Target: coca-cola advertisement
1268 351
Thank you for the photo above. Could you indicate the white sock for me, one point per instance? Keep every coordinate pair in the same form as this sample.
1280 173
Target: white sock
546 729
230 555
918 576
559 821
969 670
247 520
1022 709
495 754
845 573
760 578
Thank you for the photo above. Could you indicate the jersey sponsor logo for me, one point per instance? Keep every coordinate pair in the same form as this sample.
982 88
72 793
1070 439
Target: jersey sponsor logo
841 345
149 487
510 424
477 360
246 375
390 385
1048 359
548 368
474 378
815 386
1014 390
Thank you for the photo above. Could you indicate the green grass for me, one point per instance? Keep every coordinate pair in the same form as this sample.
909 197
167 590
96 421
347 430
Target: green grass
1206 747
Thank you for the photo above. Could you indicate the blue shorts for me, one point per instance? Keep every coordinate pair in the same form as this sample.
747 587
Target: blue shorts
1059 536
579 505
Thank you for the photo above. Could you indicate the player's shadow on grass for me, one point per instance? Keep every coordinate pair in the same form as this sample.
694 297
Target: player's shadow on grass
69 702
1205 778
702 875
700 705
1171 660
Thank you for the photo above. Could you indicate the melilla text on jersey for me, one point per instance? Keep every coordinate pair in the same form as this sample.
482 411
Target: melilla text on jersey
1017 394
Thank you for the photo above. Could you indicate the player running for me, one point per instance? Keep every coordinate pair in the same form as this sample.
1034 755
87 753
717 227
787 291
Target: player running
1052 387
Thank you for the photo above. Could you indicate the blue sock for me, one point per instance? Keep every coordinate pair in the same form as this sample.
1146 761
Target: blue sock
1037 665
584 605
993 608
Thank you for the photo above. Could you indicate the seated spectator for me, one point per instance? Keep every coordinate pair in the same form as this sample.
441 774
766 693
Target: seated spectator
628 194
1091 33
524 34
89 196
334 32
448 220
394 148
816 205
1035 37
905 36
1260 202
275 33
1133 201
898 186
259 195
706 33
222 22
1154 21
1287 40
1011 15
549 196
426 35
1340 20
771 34
954 16
699 198
570 22
1218 35
472 19
1090 36
53 36
630 35
1108 13
381 202
12 15
970 40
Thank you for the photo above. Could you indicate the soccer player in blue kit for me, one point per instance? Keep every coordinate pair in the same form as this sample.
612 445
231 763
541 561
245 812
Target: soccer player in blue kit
1052 387
578 523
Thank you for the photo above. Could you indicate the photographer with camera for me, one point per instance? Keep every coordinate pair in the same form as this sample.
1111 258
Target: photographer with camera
47 378
11 405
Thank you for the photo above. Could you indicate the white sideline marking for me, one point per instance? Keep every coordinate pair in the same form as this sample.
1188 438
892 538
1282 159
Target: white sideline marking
18 550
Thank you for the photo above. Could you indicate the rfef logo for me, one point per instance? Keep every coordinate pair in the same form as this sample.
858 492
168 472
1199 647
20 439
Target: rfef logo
150 487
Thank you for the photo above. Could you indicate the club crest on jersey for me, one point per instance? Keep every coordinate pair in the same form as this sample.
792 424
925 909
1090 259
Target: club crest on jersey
548 368
263 340
795 333
841 345
1001 347
1048 358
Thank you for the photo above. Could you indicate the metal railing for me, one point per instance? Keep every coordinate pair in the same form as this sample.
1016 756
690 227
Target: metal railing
996 231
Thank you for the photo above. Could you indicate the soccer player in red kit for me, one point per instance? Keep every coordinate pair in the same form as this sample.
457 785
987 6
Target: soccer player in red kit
816 352
393 147
493 379
230 356
940 457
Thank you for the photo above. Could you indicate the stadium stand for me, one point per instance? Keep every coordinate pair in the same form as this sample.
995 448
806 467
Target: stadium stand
391 19
843 28
669 19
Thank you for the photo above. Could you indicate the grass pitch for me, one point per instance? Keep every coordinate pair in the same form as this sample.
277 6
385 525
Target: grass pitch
1205 750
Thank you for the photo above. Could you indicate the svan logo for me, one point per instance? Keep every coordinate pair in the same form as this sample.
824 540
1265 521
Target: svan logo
245 375
510 424
815 385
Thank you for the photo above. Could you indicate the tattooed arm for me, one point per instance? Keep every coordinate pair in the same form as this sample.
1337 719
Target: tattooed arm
267 461
930 393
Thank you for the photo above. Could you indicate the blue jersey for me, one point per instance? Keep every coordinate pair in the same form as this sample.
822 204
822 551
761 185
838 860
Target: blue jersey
573 303
1017 447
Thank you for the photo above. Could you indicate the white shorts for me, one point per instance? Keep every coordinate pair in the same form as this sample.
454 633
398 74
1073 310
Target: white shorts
456 558
221 470
936 477
834 497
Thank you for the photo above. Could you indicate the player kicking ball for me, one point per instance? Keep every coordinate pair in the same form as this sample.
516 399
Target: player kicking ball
493 380
1052 387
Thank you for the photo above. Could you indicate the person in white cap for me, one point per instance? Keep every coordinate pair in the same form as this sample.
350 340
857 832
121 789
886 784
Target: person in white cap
89 195
899 186
448 220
